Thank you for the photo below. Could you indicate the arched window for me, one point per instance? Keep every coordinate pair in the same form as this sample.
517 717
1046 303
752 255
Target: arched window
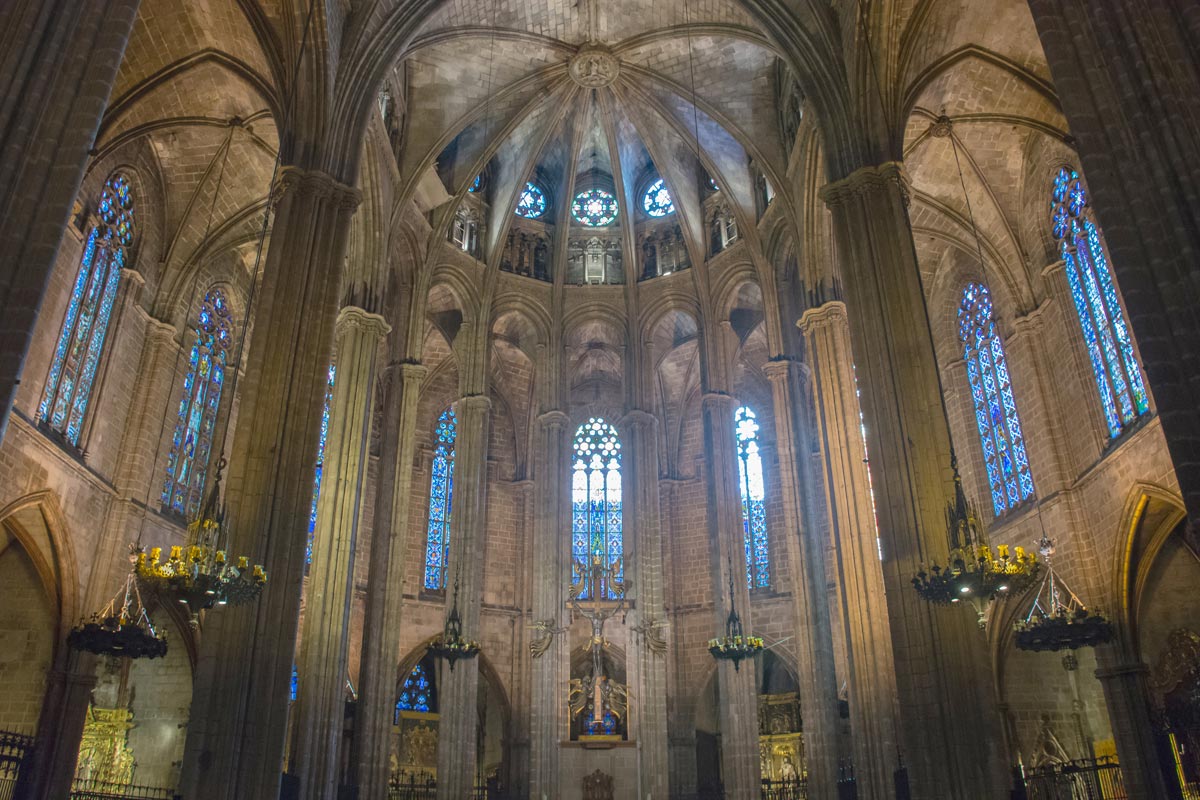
1105 329
312 510
754 494
191 447
81 340
595 208
417 693
995 409
441 496
657 200
532 203
596 519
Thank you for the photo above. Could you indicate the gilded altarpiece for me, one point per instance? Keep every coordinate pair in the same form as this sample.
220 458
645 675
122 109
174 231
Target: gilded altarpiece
780 742
414 744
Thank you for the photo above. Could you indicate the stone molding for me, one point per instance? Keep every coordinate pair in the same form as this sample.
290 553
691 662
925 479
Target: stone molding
361 320
316 184
865 181
710 399
1121 670
594 67
828 313
780 367
1031 323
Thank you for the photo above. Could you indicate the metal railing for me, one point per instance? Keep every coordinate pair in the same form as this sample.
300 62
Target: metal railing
103 790
409 786
15 750
1083 779
788 789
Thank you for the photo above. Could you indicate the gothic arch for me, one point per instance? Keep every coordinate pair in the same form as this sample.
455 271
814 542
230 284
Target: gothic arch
1151 514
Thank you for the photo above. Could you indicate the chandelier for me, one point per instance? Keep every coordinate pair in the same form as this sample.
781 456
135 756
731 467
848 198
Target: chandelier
974 573
199 574
451 645
1057 619
124 632
735 645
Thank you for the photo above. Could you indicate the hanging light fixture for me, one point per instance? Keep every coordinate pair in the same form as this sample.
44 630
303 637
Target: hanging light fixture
199 574
451 645
735 645
1057 618
122 629
974 573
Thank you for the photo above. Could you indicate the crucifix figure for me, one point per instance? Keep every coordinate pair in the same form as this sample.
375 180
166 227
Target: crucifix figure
586 595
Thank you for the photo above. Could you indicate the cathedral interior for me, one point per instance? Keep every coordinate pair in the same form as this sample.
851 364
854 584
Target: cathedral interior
600 399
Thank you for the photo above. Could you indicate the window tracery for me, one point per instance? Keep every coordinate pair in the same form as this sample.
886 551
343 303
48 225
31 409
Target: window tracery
1105 328
657 200
596 510
441 496
81 340
996 419
595 208
532 204
199 408
754 494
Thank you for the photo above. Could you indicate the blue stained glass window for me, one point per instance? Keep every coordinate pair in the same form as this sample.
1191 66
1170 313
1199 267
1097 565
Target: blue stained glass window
441 501
81 340
316 494
996 417
475 184
416 694
294 689
596 516
657 200
595 207
607 726
1102 320
754 494
191 446
532 203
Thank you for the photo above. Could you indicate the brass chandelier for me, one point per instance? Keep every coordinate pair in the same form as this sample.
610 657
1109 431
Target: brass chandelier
452 645
122 629
1057 618
736 644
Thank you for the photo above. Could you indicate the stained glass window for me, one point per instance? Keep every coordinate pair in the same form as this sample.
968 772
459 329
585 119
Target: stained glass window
995 409
475 184
754 494
1101 318
657 200
441 496
595 207
596 520
81 340
532 203
191 446
316 494
294 689
417 692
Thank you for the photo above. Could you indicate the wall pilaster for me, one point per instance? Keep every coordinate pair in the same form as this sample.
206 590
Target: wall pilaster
863 613
321 663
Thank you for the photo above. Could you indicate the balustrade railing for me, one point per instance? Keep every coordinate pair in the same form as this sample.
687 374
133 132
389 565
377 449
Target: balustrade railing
1083 779
15 751
104 790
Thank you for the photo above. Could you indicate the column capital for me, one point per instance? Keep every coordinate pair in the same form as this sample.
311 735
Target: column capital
361 320
865 180
824 315
637 418
779 368
554 419
316 184
717 400
1054 268
474 402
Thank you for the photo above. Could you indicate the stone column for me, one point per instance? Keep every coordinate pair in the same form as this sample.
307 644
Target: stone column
548 684
57 68
236 735
385 580
650 692
863 614
741 769
1128 700
1126 76
952 736
806 556
324 647
459 690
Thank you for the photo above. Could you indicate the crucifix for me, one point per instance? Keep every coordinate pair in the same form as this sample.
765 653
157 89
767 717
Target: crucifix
587 595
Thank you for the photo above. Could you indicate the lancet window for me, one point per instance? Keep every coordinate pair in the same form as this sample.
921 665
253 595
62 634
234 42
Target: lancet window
754 495
596 511
995 408
89 310
199 407
1105 328
441 496
330 377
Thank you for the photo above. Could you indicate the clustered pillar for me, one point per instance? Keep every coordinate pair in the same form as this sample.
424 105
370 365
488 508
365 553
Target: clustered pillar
738 708
322 662
863 614
236 735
